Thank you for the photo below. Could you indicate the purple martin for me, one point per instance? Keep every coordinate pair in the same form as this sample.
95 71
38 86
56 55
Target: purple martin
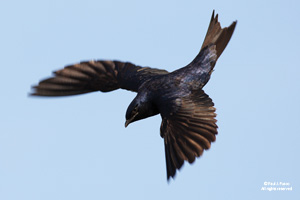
188 117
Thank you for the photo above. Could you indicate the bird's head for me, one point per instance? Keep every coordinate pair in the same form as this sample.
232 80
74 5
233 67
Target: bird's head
139 109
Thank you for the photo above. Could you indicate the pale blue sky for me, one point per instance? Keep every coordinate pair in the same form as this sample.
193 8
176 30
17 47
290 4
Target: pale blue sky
77 147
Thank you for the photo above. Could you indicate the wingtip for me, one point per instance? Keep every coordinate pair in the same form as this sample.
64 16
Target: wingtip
172 175
168 180
33 94
169 177
33 91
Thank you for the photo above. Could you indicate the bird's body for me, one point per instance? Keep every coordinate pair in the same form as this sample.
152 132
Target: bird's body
188 116
165 88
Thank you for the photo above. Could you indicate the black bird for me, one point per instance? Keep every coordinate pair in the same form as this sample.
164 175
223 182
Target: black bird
188 116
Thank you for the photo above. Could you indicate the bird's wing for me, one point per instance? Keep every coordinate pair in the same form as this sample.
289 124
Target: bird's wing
188 130
92 76
217 35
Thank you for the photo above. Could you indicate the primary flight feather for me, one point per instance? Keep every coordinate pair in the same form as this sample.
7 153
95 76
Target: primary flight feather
188 116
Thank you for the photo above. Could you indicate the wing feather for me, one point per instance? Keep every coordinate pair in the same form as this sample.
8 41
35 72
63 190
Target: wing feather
189 130
93 76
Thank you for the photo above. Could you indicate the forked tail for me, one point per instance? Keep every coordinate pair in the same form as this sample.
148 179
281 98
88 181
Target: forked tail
217 35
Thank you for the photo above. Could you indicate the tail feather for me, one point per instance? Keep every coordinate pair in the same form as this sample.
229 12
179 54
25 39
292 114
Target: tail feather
217 35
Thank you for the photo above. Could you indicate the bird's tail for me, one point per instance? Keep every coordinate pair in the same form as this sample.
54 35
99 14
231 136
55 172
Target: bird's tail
198 72
216 35
215 41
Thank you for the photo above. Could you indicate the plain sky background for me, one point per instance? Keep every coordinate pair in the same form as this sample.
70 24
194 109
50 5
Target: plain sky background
77 147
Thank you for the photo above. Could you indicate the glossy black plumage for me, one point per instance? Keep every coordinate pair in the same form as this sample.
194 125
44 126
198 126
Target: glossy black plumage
188 116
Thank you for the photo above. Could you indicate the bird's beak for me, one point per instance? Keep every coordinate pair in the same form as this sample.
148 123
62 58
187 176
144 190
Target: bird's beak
127 122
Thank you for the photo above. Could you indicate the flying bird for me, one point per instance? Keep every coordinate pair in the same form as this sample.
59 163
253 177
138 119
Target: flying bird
188 117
